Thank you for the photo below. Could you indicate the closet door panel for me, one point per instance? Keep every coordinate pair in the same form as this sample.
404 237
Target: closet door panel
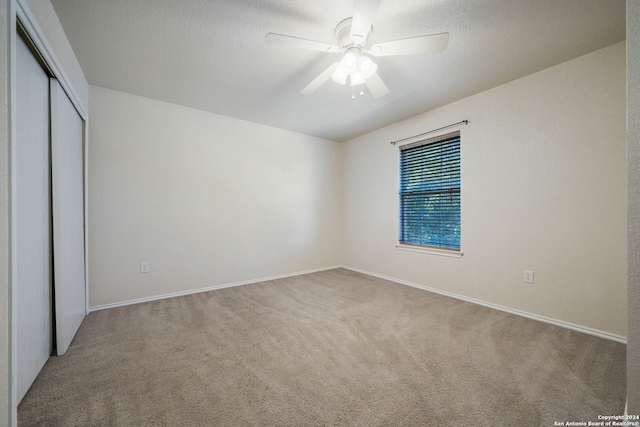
68 217
33 219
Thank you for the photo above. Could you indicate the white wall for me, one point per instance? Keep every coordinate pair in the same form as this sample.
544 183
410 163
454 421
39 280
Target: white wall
633 147
206 199
543 189
5 260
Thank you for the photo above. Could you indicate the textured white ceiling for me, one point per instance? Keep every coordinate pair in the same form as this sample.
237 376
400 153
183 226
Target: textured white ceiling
211 54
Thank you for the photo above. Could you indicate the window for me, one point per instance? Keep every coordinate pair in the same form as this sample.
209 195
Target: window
430 193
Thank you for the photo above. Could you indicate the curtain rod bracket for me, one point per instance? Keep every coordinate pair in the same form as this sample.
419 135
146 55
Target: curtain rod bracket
465 122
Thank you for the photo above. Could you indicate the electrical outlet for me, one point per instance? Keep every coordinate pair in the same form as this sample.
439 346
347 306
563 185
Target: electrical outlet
144 267
326 247
528 276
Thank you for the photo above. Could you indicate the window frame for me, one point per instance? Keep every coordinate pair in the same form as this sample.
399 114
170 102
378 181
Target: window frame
408 244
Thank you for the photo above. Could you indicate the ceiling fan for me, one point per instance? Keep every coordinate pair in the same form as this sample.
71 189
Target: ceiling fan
352 35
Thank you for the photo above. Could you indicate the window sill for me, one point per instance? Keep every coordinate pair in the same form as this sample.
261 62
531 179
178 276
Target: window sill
430 251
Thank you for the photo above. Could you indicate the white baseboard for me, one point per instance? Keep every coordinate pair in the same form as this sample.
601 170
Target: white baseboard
563 324
626 406
207 289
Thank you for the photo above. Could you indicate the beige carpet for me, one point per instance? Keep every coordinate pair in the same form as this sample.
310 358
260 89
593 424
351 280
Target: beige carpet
329 348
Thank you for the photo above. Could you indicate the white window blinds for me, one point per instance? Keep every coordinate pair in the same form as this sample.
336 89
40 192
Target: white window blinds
430 192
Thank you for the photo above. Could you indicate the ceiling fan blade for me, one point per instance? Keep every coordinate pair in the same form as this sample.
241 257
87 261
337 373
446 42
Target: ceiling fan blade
363 13
320 80
282 40
377 86
432 43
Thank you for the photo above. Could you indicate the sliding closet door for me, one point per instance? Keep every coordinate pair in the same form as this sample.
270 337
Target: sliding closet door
68 216
33 219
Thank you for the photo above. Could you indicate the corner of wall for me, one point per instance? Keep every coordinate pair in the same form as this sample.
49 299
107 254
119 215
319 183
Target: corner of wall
633 231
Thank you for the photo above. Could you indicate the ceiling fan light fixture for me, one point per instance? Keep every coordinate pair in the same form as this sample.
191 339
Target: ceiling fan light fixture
350 61
366 66
357 79
339 75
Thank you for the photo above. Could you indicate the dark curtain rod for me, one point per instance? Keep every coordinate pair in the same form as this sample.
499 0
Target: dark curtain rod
466 122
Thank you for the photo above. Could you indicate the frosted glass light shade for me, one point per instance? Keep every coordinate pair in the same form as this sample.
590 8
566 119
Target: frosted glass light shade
355 66
357 79
339 75
349 62
366 66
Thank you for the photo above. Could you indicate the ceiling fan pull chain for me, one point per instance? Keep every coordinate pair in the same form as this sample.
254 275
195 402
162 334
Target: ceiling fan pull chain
353 93
361 90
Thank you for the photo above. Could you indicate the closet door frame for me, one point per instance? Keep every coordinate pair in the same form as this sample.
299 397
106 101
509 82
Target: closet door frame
22 16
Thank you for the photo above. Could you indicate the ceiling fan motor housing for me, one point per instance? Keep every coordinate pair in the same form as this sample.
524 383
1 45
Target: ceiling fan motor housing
343 35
